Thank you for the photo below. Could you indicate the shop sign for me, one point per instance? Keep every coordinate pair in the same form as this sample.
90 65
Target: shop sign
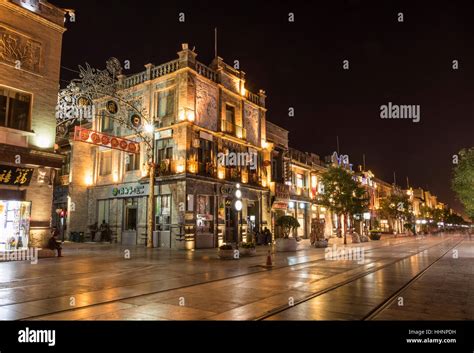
163 134
227 189
103 140
282 192
280 205
15 175
130 190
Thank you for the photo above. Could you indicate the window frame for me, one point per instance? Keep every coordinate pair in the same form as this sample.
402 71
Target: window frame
10 94
101 162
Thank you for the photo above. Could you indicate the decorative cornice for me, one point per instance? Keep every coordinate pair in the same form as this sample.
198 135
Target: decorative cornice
24 12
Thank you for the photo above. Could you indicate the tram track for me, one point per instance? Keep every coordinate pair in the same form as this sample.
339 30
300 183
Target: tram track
301 264
379 307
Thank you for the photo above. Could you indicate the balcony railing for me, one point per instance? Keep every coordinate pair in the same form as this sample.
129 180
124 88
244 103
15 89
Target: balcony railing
164 69
303 192
207 169
232 129
205 71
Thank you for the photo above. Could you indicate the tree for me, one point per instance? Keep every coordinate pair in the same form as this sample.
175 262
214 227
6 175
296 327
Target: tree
396 207
342 195
287 224
463 180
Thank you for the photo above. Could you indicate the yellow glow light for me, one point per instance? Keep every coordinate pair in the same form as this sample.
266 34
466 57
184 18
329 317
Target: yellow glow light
88 180
221 173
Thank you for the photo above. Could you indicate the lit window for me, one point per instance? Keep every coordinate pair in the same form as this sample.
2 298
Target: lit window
132 162
299 180
105 162
14 109
165 103
106 122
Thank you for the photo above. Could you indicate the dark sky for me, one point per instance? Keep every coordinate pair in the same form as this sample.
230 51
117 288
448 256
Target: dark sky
300 65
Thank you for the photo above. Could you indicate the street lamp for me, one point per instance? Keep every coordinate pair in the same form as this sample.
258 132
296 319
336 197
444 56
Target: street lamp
238 207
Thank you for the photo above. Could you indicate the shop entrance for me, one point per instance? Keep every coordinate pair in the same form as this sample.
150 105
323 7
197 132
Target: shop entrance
129 233
231 229
204 222
253 219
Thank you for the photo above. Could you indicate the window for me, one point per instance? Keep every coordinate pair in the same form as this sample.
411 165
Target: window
105 162
132 162
165 103
299 180
106 122
205 151
203 204
14 109
163 212
275 176
190 203
164 150
230 114
103 210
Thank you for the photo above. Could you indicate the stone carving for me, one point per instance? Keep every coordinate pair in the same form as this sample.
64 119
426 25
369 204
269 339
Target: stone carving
19 51
251 123
206 102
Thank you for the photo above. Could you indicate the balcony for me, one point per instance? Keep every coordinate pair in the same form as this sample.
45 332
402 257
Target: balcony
300 192
207 169
234 130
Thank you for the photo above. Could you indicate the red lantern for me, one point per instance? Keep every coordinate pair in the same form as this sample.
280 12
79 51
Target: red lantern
95 138
84 135
105 140
123 145
114 142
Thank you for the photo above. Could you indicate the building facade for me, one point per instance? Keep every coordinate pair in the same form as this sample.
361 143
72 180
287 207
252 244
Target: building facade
30 51
209 136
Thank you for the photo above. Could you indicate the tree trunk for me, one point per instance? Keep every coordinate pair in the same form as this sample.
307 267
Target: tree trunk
344 229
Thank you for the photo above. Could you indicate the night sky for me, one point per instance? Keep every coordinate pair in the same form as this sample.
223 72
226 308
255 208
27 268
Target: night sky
300 65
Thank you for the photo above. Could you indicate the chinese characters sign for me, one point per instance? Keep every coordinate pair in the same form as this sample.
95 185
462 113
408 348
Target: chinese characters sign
15 175
100 139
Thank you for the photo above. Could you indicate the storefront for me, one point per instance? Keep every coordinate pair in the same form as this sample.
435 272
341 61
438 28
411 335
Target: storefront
14 224
120 208
211 216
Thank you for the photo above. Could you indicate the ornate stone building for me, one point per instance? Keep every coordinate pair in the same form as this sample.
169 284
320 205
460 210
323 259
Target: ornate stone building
209 136
30 51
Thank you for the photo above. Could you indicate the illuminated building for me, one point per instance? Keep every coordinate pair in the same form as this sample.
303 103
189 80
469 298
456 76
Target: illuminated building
30 51
201 113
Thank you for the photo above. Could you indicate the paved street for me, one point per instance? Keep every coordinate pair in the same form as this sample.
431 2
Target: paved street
98 282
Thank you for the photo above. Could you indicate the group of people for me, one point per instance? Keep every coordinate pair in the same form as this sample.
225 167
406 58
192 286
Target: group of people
264 237
104 230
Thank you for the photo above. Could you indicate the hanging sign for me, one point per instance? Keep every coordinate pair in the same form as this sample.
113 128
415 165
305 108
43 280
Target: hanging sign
100 139
15 175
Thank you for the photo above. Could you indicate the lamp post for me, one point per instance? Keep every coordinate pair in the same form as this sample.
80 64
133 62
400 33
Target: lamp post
238 207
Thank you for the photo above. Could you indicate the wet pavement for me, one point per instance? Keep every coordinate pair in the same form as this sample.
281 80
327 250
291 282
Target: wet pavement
101 282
